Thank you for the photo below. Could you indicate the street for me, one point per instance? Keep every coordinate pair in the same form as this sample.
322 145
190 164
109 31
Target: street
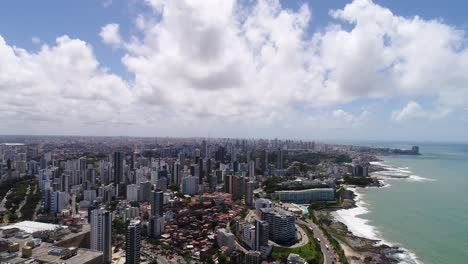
329 254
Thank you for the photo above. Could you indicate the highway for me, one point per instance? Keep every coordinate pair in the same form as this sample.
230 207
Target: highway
330 256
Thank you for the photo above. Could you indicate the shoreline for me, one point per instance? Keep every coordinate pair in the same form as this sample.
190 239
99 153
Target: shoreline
361 241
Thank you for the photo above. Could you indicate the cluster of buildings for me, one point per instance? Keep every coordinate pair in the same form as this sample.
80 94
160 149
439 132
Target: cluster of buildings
35 242
182 192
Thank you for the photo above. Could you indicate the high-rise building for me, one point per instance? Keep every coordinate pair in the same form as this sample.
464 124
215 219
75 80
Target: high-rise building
132 192
157 203
220 154
279 159
252 257
58 200
118 166
101 224
282 224
190 185
262 231
200 171
204 150
156 226
249 187
252 170
133 242
145 191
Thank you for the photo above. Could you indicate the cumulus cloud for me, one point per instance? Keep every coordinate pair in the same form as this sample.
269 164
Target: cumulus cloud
225 60
110 34
58 83
258 59
414 111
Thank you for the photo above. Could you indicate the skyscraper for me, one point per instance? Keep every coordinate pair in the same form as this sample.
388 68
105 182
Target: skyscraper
118 167
252 170
204 150
101 224
157 203
249 187
261 234
133 242
279 159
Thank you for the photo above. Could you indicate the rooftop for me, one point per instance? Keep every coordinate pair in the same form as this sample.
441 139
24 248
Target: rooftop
31 227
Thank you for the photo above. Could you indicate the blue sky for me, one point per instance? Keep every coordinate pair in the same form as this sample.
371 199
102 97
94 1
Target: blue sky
406 107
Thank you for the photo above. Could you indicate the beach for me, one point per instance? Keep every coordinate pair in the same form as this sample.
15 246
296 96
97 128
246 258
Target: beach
361 241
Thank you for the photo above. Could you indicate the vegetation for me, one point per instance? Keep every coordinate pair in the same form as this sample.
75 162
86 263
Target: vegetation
118 226
18 189
6 185
112 206
310 252
317 205
33 198
134 204
174 187
314 158
335 244
271 183
359 181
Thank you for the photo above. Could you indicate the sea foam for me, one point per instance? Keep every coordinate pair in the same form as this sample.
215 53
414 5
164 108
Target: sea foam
359 226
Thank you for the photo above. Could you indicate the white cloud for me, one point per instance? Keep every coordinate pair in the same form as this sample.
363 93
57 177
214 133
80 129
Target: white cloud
36 40
110 34
61 83
227 62
348 119
259 60
106 3
414 111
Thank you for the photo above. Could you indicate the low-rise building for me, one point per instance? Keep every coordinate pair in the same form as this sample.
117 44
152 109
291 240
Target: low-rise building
252 257
226 239
295 259
306 196
262 203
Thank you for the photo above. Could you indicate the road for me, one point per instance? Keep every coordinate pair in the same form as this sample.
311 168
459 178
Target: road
330 256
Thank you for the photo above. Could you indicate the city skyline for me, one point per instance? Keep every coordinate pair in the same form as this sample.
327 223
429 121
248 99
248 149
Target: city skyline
348 70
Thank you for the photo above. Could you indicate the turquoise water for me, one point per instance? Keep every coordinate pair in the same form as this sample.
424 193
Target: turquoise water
428 213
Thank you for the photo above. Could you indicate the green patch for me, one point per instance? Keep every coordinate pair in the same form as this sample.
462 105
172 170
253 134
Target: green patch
310 252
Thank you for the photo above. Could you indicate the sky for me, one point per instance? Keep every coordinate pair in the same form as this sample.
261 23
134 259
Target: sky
315 70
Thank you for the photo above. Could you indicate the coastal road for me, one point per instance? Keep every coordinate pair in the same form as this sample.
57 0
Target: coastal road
330 257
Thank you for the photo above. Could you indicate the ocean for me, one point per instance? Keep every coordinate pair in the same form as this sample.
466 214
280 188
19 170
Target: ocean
427 213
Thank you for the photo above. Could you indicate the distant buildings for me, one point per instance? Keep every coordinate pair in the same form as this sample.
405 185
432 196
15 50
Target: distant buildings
190 185
306 196
279 159
118 167
360 170
132 192
145 191
133 242
101 230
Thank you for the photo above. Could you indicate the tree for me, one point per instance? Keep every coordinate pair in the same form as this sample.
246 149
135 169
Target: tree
222 259
118 226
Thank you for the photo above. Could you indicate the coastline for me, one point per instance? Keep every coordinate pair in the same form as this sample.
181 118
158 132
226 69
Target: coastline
362 242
